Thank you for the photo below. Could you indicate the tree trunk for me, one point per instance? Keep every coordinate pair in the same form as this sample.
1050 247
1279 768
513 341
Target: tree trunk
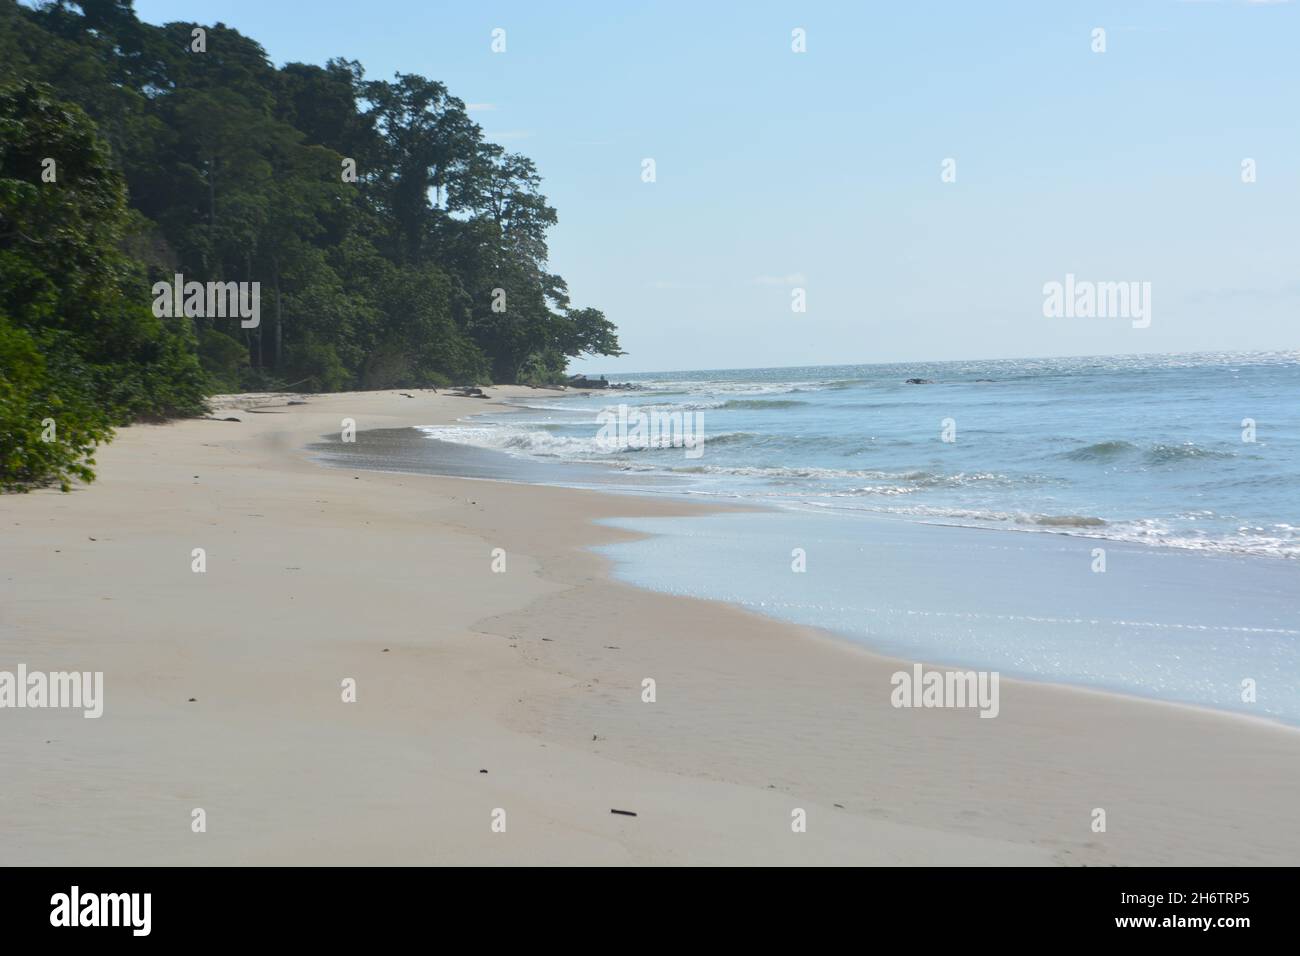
279 321
257 332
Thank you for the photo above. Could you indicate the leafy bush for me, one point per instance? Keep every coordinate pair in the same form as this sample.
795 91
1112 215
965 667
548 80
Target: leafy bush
543 368
47 433
315 367
223 359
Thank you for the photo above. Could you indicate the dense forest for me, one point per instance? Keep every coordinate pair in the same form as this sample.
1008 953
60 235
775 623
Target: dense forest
391 244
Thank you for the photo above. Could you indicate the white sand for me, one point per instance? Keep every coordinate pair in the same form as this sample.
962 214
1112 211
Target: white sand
315 575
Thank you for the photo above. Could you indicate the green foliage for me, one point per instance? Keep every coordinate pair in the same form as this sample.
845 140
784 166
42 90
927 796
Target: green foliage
68 292
223 359
47 431
543 368
318 365
221 167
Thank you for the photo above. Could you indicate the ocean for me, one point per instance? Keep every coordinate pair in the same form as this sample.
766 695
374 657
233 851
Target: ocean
1123 523
1158 450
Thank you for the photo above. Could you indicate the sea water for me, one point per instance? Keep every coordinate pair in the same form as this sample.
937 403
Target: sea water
1156 500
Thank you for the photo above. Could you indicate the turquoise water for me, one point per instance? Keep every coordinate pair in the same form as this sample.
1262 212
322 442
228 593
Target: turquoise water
1147 449
1143 458
1163 623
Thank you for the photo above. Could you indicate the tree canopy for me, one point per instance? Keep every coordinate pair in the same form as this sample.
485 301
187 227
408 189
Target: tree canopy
393 245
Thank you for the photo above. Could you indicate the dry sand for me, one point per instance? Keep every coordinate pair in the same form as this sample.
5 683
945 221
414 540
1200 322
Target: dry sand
315 575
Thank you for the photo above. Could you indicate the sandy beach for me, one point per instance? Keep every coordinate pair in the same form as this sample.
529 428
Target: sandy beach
479 690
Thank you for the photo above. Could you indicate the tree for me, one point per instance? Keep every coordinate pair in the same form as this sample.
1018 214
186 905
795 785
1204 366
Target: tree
429 266
81 347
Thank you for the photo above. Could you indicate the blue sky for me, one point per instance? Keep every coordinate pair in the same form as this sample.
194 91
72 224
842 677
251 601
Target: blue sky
821 170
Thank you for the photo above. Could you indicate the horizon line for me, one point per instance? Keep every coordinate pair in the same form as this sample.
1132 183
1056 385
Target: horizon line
1010 358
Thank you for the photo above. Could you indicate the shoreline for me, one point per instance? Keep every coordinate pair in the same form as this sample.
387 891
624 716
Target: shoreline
411 451
1059 526
842 640
533 676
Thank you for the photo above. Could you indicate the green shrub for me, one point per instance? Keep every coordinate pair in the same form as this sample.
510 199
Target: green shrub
543 368
314 366
223 359
47 432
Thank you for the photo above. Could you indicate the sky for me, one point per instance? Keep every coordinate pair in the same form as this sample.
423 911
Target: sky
824 170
